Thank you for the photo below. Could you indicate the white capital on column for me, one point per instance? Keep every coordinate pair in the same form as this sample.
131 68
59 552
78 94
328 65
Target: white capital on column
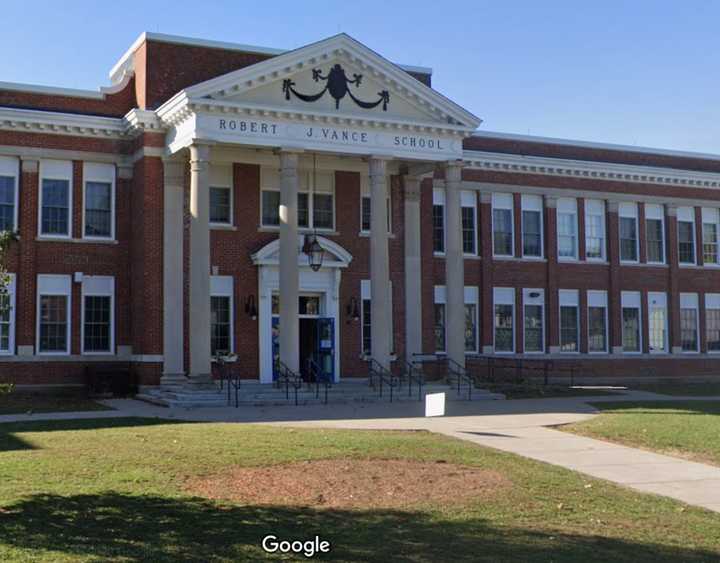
200 361
380 313
289 272
454 266
413 268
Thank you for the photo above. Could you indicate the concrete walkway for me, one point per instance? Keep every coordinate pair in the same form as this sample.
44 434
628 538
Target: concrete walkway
520 427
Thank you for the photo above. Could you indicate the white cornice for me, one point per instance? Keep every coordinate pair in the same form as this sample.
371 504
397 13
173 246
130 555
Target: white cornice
34 121
139 120
500 162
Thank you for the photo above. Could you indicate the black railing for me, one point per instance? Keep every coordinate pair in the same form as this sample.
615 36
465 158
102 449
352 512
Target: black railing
287 378
320 378
413 374
461 375
379 376
229 379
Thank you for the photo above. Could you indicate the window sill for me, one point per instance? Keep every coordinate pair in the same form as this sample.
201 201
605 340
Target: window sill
366 234
301 230
76 240
222 227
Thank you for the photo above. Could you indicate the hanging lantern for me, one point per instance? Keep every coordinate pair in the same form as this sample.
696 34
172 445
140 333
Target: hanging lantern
314 252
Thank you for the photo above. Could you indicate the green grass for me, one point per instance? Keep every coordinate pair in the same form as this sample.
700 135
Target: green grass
681 389
112 490
688 429
20 403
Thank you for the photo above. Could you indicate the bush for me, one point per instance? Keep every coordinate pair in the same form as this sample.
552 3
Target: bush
6 388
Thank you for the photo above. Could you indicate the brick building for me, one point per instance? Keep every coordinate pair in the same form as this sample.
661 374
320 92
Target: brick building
171 216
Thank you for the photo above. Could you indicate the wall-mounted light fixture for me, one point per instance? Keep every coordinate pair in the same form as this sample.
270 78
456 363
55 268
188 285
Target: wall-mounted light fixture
250 308
352 310
314 252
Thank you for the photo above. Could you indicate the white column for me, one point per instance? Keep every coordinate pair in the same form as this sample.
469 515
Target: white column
454 267
173 192
200 362
289 273
413 270
380 312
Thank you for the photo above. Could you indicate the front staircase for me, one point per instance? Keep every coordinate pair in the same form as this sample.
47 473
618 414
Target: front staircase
251 393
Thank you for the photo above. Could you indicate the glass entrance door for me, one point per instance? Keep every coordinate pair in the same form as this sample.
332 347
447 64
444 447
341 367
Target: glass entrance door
326 347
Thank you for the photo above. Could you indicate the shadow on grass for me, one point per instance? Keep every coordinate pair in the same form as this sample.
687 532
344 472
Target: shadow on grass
114 526
664 407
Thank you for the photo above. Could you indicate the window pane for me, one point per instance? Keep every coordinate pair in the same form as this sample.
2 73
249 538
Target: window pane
631 329
439 327
688 330
5 322
656 318
504 328
597 339
220 205
7 203
686 242
531 224
533 323
366 327
98 209
655 246
710 243
713 329
502 232
628 239
468 230
438 228
470 328
323 211
270 207
220 325
594 236
567 237
303 212
97 328
569 336
55 212
53 323
365 213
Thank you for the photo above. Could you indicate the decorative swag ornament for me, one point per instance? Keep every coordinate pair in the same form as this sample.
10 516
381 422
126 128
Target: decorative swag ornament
337 83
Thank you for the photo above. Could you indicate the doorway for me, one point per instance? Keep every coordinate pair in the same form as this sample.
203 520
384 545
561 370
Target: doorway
308 346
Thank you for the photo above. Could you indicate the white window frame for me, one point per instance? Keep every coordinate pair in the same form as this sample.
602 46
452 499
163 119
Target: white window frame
691 301
99 173
567 206
597 298
632 300
687 215
439 200
221 177
468 200
505 296
10 167
711 215
506 202
56 170
11 289
712 303
529 298
569 298
596 208
656 212
471 297
52 285
629 210
365 194
97 286
658 300
223 286
366 295
532 203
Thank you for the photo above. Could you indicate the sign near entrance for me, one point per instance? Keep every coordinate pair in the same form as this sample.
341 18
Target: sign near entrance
435 404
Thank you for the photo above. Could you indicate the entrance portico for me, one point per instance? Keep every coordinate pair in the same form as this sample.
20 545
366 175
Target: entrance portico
277 112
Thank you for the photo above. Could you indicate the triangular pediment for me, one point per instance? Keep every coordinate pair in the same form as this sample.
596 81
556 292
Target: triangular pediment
336 76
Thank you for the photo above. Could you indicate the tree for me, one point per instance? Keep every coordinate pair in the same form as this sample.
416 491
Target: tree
6 240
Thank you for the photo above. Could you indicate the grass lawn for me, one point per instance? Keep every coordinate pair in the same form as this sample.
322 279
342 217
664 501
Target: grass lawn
19 403
689 429
682 389
117 490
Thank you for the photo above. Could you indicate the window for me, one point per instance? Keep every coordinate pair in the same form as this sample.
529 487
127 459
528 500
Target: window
471 319
365 205
8 193
567 228
689 322
220 206
655 233
631 337
502 212
533 321
99 200
439 327
7 319
629 242
270 208
438 219
471 339
710 220
468 202
657 322
686 235
366 319
597 321
221 315
316 200
504 313
594 229
97 314
56 198
569 320
532 226
53 314
712 321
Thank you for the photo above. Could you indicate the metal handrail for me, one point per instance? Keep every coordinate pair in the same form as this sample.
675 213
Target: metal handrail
320 378
460 372
384 375
289 378
413 374
231 377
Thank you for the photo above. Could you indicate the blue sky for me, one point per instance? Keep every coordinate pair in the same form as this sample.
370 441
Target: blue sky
637 73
